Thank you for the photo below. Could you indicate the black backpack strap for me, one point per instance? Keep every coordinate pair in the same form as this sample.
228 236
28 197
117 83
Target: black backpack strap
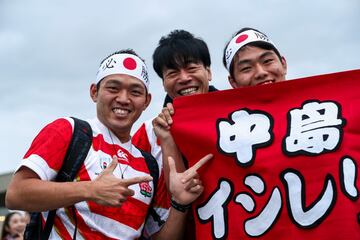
154 172
78 149
80 144
152 166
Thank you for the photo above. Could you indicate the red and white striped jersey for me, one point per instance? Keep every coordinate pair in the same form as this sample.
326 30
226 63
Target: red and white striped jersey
146 140
45 157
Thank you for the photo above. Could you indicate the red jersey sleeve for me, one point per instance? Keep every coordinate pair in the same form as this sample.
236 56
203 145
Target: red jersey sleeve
47 151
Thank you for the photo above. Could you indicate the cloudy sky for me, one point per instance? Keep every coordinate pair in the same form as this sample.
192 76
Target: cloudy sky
50 50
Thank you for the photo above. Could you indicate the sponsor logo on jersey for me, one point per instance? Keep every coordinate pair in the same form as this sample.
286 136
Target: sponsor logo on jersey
122 156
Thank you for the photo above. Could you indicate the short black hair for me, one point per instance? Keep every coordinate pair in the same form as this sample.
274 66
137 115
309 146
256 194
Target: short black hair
128 51
263 45
178 49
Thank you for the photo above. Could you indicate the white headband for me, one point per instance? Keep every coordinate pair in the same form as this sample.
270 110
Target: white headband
242 39
124 63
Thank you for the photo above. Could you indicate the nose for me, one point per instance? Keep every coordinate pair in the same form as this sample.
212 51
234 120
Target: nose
123 97
184 76
260 72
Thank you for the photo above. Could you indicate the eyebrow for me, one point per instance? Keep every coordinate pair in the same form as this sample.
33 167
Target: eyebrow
138 85
267 53
112 81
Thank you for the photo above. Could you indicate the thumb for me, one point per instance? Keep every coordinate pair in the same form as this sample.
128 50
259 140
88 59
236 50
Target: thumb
172 167
171 108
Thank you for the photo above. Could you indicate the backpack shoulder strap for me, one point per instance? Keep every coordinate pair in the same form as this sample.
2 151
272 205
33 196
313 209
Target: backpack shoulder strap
154 172
77 151
152 166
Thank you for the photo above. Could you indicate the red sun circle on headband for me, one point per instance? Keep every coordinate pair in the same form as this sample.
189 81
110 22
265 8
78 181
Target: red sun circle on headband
241 38
129 63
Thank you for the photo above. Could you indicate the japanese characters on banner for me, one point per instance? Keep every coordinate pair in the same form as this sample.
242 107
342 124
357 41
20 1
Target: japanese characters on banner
286 158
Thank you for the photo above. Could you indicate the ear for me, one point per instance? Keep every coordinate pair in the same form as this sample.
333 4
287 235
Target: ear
284 64
232 82
209 73
93 92
147 101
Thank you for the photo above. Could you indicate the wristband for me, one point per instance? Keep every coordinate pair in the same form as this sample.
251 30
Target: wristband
178 206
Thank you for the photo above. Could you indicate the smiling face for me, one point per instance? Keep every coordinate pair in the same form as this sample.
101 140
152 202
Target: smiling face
256 66
120 100
16 225
189 80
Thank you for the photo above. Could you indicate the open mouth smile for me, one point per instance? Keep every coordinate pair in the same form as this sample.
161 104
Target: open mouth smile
188 91
121 112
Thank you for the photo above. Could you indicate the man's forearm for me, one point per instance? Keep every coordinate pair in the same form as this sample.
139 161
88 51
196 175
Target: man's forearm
169 148
174 226
29 193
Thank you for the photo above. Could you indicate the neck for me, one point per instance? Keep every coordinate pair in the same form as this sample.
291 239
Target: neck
123 137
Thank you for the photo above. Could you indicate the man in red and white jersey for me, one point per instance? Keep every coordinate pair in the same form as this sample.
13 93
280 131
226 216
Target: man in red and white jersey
183 62
113 190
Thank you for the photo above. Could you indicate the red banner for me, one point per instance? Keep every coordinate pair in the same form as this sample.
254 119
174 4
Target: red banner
286 158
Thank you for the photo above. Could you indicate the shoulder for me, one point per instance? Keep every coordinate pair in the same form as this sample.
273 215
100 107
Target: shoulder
48 148
144 137
61 125
212 89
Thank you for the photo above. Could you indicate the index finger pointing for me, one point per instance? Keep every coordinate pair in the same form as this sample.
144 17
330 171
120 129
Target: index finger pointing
135 180
201 162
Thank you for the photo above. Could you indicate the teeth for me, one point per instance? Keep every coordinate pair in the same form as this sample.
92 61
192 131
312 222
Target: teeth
120 111
188 91
267 82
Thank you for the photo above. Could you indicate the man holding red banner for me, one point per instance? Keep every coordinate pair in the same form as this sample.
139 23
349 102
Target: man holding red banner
182 61
284 162
251 59
185 69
